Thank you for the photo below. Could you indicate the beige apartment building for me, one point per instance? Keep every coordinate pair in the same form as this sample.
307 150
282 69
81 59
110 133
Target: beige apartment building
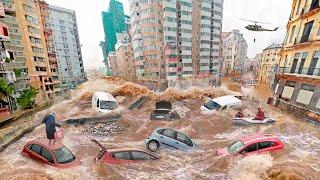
297 83
269 62
31 28
121 61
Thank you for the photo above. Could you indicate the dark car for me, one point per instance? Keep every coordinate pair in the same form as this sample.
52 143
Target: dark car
56 155
122 155
164 112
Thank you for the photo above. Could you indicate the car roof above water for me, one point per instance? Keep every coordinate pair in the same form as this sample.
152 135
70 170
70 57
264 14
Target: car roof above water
45 143
225 100
104 96
258 138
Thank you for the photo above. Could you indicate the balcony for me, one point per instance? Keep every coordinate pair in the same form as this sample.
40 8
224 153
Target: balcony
9 10
4 32
314 72
9 76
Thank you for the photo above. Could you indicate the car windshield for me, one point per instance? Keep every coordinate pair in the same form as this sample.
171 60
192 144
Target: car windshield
63 155
212 105
235 147
109 105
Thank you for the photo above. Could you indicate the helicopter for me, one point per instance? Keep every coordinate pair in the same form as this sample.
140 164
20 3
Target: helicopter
257 27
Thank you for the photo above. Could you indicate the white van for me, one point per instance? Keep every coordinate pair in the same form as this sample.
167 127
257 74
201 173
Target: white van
221 103
104 102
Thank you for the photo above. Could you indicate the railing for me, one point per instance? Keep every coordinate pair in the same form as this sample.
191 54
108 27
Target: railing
303 71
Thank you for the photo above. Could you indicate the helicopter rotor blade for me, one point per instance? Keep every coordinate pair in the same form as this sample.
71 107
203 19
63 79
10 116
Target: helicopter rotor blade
256 22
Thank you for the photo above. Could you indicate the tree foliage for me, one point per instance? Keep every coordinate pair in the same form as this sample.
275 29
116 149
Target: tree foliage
6 88
26 100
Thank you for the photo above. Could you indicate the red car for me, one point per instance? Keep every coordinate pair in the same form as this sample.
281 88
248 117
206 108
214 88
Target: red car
122 156
254 144
55 155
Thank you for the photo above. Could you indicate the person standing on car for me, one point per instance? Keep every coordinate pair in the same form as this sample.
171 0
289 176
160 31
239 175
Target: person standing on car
50 122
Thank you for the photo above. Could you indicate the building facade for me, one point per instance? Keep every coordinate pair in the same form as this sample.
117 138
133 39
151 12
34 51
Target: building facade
14 52
30 25
121 60
297 83
234 52
114 22
269 62
50 45
170 43
63 25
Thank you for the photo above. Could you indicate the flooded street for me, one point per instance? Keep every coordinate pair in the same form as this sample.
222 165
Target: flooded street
299 160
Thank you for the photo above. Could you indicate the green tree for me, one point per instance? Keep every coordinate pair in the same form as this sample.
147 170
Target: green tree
26 100
17 72
6 88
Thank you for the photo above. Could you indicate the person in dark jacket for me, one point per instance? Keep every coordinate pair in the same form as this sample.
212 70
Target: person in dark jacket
239 114
50 122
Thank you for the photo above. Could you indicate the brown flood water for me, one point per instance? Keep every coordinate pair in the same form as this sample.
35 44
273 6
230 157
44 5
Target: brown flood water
299 160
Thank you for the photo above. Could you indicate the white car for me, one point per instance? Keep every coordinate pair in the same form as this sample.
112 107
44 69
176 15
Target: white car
220 103
104 102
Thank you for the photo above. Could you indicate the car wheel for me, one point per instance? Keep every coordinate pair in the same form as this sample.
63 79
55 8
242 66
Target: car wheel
153 146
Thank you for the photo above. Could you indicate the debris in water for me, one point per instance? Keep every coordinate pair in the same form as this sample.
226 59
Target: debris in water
104 129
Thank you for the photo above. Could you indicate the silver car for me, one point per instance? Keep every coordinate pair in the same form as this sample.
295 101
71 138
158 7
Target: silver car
164 137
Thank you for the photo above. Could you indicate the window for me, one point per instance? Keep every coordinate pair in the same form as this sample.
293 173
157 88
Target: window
63 155
306 32
35 148
298 7
140 155
160 131
251 148
47 155
184 139
235 147
169 133
292 33
265 144
122 155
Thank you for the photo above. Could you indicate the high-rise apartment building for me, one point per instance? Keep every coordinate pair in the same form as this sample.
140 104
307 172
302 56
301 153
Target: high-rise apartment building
63 25
14 49
147 38
177 38
12 62
114 22
50 43
31 28
234 52
297 83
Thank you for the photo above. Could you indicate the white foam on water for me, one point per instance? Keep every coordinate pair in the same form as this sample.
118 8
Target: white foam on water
251 167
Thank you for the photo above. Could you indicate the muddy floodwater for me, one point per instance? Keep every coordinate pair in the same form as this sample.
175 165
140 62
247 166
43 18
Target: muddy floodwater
299 160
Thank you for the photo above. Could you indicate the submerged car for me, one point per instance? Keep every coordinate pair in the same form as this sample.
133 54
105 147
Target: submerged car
56 155
169 138
164 112
253 144
221 103
122 155
104 102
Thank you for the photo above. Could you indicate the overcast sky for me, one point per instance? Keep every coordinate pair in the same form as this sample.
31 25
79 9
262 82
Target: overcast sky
275 12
